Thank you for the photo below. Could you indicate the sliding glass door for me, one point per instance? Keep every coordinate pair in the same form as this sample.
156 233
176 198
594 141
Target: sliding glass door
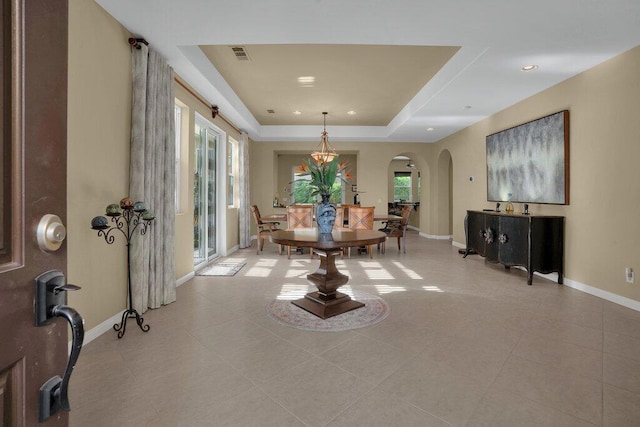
207 139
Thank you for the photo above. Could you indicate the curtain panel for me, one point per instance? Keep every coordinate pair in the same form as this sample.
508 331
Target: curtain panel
152 179
244 213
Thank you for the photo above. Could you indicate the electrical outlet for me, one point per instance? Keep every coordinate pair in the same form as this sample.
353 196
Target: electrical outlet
629 275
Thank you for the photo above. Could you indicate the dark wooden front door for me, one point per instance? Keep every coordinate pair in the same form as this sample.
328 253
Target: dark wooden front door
33 106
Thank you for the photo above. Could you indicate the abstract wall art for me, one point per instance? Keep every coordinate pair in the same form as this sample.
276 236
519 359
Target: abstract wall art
529 163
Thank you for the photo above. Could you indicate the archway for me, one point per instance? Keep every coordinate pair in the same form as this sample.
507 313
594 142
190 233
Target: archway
405 185
444 213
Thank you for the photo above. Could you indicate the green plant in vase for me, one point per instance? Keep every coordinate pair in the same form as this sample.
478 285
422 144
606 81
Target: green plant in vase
321 176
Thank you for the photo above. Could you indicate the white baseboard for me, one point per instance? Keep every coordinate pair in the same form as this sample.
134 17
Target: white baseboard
458 244
605 295
596 292
103 327
107 325
435 236
185 278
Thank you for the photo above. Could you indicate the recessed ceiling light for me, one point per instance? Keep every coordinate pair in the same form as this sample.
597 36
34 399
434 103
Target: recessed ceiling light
297 113
529 68
306 81
351 113
429 129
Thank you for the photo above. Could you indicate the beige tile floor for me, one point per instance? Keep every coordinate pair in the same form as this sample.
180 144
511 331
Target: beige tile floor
466 343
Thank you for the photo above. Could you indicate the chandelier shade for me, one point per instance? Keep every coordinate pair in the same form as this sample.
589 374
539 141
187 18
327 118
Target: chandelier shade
324 153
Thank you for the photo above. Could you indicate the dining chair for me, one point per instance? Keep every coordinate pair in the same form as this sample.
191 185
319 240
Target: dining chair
264 229
339 222
299 216
361 218
346 207
398 228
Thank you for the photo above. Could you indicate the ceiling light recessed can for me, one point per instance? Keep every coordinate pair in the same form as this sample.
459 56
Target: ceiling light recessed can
429 129
529 68
351 113
297 113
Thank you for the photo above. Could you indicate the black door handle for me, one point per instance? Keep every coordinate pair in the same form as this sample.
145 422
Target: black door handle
51 298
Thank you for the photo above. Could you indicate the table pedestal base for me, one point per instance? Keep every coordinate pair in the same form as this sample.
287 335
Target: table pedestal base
314 303
327 301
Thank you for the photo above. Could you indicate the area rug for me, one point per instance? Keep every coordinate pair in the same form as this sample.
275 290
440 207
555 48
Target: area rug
374 311
221 269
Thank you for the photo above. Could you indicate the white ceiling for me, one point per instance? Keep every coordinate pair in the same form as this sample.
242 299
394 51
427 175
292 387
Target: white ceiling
496 38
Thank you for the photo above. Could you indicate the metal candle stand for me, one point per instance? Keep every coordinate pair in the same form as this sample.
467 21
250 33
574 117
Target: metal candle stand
126 217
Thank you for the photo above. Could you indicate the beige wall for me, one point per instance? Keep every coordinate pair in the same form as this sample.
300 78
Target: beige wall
99 126
99 123
602 224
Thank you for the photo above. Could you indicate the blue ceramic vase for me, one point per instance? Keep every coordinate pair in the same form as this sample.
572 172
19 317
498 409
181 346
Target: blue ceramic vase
325 215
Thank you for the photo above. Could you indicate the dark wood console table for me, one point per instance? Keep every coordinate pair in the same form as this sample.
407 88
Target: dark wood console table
327 301
535 242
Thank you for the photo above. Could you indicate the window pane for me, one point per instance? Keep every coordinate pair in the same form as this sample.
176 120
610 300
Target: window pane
302 190
211 196
402 188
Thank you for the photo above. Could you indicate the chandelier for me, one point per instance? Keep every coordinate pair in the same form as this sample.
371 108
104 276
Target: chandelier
324 153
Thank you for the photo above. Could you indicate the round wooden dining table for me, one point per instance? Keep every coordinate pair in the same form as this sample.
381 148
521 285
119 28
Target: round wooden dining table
327 301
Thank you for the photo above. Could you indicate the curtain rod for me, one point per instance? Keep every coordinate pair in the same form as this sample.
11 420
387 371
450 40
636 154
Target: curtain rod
214 108
136 42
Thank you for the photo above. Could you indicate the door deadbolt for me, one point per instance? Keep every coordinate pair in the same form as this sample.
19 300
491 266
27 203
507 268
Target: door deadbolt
51 232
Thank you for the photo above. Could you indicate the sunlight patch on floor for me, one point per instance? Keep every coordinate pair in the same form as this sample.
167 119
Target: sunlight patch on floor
386 289
378 274
300 263
409 272
301 274
262 268
346 289
258 272
370 264
290 292
235 260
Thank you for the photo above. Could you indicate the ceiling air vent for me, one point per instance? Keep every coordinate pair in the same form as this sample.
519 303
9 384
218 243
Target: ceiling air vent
240 52
271 111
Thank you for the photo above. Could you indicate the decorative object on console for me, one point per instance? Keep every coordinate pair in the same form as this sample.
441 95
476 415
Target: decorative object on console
509 209
126 217
530 161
